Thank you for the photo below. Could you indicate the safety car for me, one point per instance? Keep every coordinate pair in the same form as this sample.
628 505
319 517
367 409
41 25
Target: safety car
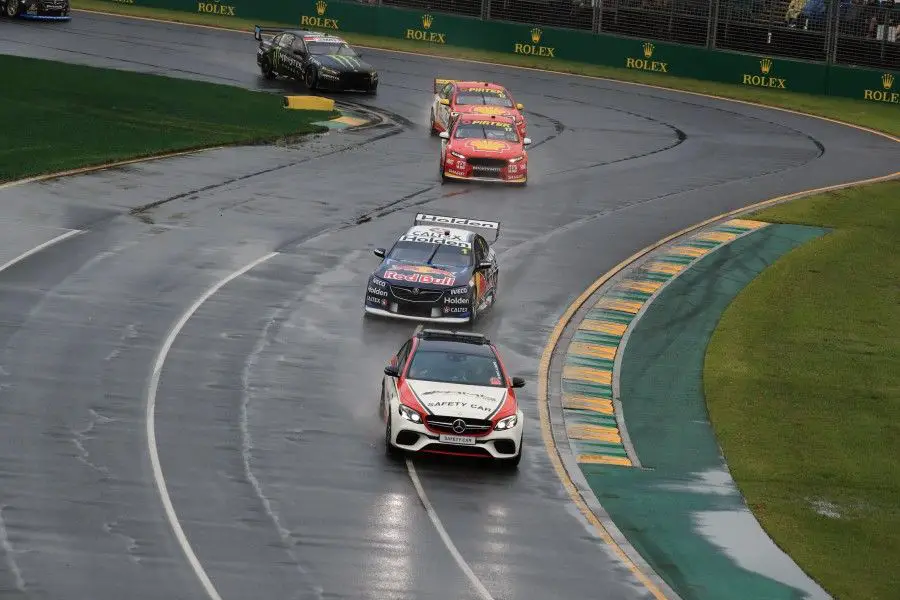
453 97
320 60
483 148
442 269
39 10
447 392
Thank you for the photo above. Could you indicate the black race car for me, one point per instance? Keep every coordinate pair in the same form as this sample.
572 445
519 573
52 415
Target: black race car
40 10
441 270
320 60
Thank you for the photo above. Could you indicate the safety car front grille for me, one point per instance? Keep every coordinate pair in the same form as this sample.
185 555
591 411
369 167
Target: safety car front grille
491 163
445 424
408 294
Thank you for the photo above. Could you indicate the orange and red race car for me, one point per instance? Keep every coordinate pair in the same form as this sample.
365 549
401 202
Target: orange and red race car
484 149
453 98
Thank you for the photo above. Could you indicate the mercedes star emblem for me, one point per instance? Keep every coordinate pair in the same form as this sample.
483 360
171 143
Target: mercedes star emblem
459 426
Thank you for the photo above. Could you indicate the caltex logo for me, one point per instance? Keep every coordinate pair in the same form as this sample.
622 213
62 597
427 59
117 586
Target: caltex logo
427 20
765 65
536 34
321 7
887 81
648 49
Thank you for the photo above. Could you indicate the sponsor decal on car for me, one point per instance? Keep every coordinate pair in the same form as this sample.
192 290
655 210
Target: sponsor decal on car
405 274
433 239
375 300
487 145
458 291
423 218
483 90
457 300
376 291
492 124
458 404
489 110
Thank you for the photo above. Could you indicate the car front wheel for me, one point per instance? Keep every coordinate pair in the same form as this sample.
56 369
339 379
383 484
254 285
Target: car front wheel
512 463
311 78
390 449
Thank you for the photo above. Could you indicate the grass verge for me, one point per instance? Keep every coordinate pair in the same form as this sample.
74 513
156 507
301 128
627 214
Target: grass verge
802 380
58 116
881 117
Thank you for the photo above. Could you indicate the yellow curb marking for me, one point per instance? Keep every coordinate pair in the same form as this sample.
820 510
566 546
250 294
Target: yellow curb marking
689 251
592 350
587 374
746 223
620 305
602 459
717 236
600 405
351 121
648 287
663 267
603 327
308 103
594 433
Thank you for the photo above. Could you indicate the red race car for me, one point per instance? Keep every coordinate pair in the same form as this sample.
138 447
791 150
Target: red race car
453 98
484 149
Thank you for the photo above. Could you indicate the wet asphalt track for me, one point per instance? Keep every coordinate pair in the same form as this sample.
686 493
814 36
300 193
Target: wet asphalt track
266 412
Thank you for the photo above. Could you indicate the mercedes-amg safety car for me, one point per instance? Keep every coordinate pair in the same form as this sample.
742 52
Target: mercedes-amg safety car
443 269
484 149
40 10
453 98
448 392
320 60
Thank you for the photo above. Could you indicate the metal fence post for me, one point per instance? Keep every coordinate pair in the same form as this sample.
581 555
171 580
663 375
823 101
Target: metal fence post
712 24
597 20
486 10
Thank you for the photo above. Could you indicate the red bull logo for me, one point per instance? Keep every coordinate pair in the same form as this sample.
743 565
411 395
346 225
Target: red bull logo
421 274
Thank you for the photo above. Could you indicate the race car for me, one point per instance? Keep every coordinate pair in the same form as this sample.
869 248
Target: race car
484 149
39 10
320 60
453 98
441 270
447 392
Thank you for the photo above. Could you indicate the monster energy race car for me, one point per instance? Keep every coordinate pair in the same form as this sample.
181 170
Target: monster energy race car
320 60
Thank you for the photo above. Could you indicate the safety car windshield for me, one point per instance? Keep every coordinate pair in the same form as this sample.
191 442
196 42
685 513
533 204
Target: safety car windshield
490 98
492 131
455 367
330 48
442 255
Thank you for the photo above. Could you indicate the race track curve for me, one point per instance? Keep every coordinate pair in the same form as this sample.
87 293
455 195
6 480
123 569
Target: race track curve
266 420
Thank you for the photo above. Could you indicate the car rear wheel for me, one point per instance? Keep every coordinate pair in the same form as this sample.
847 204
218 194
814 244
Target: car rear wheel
434 130
12 8
266 68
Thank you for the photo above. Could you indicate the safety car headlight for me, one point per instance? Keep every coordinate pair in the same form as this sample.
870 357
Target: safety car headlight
516 159
409 414
457 155
507 423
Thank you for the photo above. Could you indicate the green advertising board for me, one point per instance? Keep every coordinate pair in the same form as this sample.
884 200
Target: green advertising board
551 44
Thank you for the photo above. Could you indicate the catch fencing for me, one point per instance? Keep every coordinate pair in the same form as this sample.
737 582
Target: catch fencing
847 48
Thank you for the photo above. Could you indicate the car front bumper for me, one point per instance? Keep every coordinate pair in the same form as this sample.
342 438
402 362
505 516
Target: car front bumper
416 437
398 315
489 179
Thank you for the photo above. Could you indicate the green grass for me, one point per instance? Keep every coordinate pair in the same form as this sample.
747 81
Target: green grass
802 379
58 116
881 117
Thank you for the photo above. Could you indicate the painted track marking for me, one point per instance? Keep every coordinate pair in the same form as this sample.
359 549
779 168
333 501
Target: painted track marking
37 249
445 537
152 388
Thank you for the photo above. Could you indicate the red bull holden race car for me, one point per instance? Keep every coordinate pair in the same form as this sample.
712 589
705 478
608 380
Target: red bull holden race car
447 392
443 269
484 149
453 98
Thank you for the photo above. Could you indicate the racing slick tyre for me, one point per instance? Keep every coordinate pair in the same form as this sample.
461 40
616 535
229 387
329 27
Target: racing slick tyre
434 130
12 9
266 68
311 78
512 463
474 305
373 90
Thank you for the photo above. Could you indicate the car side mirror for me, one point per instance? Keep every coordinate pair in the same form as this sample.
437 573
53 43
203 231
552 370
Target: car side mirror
520 106
379 252
485 264
527 141
444 135
444 101
518 382
392 371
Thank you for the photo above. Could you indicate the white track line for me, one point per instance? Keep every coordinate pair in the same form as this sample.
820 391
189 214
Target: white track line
436 520
37 249
151 426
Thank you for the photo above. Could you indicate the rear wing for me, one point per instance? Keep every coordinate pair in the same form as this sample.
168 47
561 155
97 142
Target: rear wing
477 225
439 83
258 31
